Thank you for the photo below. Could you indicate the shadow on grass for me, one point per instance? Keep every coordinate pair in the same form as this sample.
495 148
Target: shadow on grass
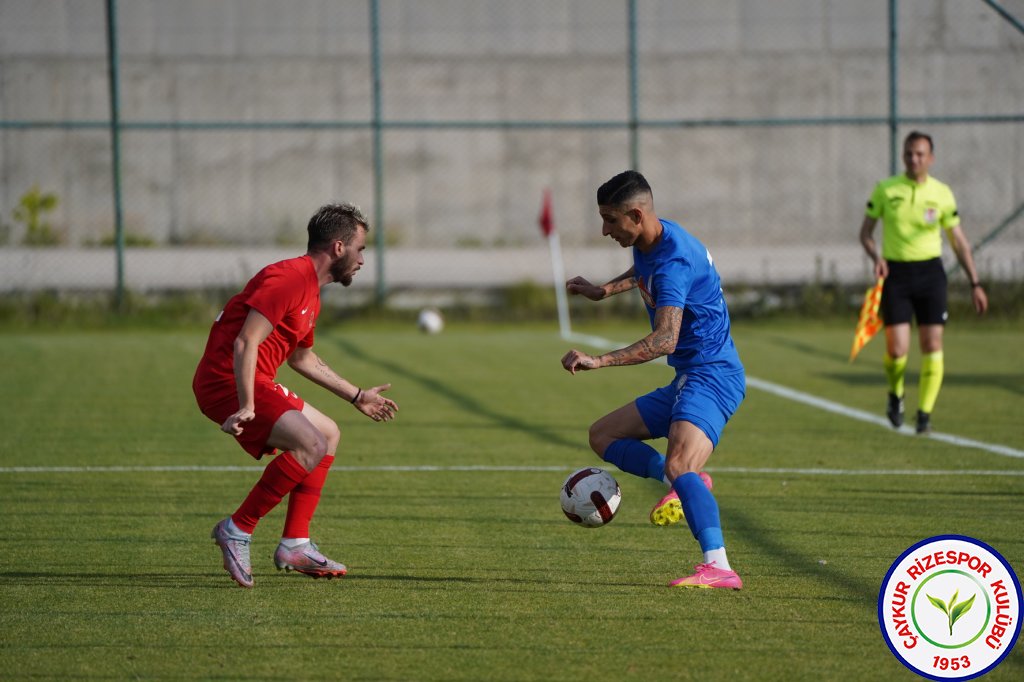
216 580
464 402
1011 383
807 349
789 559
491 581
114 579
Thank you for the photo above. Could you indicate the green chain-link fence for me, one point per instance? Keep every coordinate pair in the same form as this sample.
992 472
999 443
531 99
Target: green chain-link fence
173 145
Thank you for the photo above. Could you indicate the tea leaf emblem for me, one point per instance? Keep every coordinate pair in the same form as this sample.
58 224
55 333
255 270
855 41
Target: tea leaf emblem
953 611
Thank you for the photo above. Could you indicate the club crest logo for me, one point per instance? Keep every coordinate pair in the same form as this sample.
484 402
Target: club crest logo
949 608
931 214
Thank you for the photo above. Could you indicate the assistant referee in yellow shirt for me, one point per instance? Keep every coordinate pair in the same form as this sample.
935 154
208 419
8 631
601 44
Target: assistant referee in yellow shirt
915 208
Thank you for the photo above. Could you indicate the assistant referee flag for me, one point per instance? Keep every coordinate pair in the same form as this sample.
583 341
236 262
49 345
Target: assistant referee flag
869 323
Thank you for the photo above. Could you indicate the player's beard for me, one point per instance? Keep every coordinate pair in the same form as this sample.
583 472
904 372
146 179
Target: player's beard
339 273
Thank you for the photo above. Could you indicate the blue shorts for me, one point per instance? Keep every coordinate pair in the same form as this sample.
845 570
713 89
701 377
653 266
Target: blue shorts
706 397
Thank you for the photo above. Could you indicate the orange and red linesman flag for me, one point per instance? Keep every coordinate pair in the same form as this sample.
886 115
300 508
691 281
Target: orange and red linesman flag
869 322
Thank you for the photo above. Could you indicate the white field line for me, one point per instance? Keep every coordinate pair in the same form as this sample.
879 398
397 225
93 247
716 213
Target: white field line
253 467
866 472
496 468
836 408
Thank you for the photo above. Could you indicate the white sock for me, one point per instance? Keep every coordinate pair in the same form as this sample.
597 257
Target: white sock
235 530
718 557
292 543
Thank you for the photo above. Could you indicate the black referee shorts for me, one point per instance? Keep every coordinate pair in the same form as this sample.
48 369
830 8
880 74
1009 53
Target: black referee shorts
914 289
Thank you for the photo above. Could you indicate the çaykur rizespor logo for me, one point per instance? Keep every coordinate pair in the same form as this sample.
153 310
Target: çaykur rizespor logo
950 606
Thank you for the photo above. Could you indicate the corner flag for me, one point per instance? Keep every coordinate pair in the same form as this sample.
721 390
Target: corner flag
869 323
546 220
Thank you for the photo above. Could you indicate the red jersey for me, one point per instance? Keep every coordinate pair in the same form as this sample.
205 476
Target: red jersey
287 293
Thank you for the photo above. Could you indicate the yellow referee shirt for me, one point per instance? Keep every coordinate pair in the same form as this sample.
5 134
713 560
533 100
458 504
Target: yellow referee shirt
911 216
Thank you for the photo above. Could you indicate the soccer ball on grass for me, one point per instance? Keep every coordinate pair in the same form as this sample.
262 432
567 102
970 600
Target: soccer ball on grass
590 497
430 321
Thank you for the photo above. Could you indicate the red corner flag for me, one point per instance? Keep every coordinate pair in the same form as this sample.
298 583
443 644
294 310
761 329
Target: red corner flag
546 219
869 322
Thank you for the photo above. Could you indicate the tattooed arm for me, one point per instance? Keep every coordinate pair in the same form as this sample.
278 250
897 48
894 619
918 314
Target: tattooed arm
312 366
367 400
581 286
661 341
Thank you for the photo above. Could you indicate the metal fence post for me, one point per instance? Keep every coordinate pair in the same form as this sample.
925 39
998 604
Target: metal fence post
634 89
115 148
894 150
378 148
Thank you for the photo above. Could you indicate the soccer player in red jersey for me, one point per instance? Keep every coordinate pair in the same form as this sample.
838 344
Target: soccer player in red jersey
270 322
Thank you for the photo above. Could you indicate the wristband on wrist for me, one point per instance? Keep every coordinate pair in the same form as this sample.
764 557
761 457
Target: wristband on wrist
975 285
357 396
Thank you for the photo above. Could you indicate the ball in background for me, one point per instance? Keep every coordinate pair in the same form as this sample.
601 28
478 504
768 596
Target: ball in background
590 497
430 321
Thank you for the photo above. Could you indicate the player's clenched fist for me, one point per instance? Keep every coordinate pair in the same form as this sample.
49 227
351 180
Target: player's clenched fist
581 286
575 360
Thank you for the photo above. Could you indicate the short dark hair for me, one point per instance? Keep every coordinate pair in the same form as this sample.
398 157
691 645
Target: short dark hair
623 188
333 222
918 135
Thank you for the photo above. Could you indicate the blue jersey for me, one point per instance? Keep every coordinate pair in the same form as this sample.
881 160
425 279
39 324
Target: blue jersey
679 272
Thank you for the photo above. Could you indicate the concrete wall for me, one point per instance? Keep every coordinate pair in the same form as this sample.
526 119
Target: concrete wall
774 188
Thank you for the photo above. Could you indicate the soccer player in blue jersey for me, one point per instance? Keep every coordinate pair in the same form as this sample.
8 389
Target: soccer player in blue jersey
690 325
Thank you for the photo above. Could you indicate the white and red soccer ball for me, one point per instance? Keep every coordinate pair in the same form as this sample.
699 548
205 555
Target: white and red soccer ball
590 497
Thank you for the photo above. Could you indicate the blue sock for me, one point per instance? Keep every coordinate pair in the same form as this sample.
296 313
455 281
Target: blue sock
637 458
701 511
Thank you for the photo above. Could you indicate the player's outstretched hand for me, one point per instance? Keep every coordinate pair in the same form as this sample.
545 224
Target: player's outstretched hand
581 286
375 406
574 361
233 424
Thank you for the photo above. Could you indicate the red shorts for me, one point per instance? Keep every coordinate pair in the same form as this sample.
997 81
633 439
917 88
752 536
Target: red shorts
271 400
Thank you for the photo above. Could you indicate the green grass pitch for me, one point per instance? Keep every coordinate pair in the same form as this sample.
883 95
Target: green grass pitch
466 573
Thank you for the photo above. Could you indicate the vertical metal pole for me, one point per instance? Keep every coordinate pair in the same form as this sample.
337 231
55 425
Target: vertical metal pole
894 143
115 147
378 148
634 90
